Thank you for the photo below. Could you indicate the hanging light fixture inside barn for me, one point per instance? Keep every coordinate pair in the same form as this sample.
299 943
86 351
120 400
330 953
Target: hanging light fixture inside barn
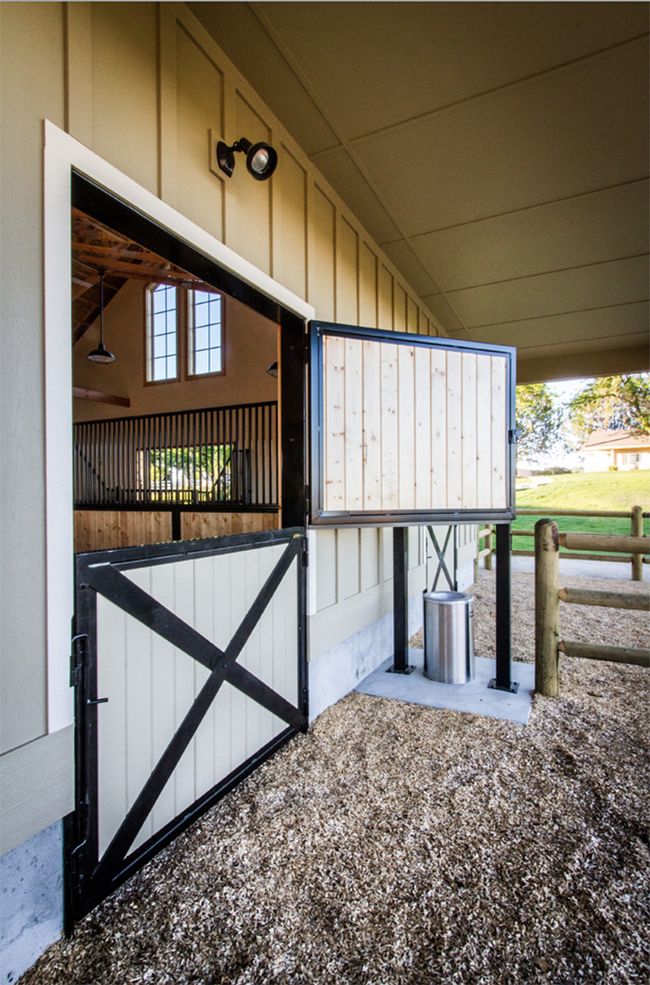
261 158
101 354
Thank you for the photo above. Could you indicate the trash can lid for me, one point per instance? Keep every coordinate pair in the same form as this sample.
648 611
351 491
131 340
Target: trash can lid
448 597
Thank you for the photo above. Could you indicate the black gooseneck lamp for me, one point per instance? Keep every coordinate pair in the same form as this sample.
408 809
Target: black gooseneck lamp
101 354
261 158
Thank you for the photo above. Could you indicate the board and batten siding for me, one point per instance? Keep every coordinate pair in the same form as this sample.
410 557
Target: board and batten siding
412 427
145 87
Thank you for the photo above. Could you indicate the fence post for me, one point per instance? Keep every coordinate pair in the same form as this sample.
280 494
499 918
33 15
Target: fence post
488 544
636 529
547 607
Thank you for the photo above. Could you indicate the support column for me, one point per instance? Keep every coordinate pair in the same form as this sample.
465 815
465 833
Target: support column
400 603
503 680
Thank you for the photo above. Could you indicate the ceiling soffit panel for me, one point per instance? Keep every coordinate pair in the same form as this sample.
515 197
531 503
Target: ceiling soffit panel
341 171
498 152
413 269
602 284
613 323
593 228
547 139
584 346
402 59
445 314
238 31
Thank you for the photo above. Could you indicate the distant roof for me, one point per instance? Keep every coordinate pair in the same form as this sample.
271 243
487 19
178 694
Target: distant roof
616 439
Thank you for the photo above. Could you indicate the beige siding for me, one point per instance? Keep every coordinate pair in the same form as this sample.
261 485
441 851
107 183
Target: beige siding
389 443
145 87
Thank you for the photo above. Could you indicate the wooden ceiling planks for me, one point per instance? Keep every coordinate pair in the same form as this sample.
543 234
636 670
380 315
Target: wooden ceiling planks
97 249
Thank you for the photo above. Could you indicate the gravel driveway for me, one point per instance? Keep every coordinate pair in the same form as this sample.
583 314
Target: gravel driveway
399 844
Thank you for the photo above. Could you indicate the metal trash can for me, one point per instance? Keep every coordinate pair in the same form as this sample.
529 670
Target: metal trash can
448 637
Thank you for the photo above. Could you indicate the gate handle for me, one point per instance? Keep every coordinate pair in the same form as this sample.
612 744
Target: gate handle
96 701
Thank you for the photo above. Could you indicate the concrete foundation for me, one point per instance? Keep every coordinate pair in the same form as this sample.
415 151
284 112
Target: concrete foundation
338 671
31 901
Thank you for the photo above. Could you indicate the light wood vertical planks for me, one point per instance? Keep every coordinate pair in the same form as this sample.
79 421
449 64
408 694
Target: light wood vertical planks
423 424
412 428
483 430
334 396
389 423
406 426
498 430
454 424
469 495
438 428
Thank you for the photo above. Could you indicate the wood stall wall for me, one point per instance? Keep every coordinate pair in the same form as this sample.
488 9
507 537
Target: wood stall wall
101 530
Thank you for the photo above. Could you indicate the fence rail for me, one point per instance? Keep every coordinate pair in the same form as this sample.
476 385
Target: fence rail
575 550
548 596
217 458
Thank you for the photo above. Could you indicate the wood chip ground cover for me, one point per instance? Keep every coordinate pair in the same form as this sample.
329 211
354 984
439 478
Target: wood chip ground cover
398 844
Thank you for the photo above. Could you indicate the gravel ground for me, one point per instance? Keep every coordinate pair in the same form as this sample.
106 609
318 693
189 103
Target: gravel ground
399 844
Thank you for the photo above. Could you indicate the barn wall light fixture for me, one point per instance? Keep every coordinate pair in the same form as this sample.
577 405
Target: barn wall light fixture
261 158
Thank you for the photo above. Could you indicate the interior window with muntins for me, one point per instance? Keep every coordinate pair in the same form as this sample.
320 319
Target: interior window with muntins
162 333
205 333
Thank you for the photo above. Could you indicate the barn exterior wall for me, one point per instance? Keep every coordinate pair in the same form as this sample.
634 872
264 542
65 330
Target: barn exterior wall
145 87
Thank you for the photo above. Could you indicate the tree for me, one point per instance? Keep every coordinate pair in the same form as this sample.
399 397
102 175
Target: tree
539 420
617 403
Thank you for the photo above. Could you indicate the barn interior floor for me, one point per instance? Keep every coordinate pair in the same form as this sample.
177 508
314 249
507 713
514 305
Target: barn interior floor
474 697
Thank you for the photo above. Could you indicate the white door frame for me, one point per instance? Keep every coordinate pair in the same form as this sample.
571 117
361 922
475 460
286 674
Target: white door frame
62 154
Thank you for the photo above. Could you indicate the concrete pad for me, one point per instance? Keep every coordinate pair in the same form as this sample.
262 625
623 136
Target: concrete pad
475 697
573 568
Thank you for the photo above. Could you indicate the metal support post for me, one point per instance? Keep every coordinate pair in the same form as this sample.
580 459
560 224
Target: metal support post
503 680
400 602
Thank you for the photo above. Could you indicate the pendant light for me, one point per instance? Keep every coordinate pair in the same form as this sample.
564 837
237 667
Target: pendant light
101 354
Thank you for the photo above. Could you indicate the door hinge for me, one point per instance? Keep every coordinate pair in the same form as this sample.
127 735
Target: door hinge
77 656
513 435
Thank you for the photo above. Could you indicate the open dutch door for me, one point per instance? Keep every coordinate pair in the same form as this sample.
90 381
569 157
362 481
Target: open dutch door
409 429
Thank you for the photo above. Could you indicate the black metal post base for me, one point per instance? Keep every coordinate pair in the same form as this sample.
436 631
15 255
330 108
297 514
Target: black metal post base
403 670
512 687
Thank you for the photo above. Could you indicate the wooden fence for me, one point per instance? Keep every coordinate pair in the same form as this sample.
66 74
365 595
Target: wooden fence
636 516
548 595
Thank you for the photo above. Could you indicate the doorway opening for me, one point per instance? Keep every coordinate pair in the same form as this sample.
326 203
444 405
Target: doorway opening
188 387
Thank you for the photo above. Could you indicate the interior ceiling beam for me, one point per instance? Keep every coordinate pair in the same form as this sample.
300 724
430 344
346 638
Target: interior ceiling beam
83 393
140 270
119 252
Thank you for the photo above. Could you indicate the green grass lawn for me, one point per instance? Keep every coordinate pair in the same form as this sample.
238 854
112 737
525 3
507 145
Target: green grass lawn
584 491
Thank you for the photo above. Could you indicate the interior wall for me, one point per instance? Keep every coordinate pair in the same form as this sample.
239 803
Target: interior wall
144 86
251 345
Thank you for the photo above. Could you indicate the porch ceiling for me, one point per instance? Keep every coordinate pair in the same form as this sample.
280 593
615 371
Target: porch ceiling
497 152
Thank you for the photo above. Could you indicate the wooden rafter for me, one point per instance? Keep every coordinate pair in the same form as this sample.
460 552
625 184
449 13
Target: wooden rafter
97 248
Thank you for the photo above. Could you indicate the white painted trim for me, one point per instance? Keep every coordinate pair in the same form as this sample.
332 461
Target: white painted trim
62 153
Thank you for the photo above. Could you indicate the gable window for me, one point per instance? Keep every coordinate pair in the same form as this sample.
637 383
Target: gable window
205 335
162 333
